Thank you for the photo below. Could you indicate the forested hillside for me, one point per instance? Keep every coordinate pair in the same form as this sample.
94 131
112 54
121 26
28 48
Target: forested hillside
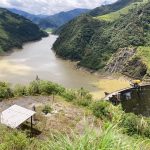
94 40
111 7
15 30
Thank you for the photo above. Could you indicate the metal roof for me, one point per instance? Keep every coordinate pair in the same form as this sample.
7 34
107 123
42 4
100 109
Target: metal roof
15 116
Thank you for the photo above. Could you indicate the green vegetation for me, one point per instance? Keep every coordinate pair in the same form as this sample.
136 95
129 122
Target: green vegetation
117 14
136 125
93 41
106 9
15 30
100 110
80 97
143 52
20 90
118 130
105 139
108 138
12 140
5 91
47 109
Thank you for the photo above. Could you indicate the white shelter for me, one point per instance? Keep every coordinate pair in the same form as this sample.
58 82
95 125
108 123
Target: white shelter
15 116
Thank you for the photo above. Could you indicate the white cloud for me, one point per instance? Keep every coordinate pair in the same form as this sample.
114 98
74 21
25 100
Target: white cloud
51 6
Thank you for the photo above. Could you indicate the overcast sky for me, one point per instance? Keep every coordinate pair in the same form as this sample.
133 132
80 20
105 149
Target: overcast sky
51 6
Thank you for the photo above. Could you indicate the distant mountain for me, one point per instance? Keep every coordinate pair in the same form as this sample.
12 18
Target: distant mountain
53 21
62 17
32 17
15 30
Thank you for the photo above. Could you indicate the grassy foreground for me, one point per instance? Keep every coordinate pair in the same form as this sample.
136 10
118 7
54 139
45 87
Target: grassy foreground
119 131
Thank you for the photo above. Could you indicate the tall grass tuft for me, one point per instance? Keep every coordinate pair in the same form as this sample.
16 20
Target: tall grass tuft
102 139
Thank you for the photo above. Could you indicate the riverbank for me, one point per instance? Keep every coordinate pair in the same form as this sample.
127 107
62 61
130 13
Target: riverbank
105 82
37 58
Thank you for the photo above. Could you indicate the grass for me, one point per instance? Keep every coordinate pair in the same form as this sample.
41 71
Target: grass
115 15
108 138
110 134
143 52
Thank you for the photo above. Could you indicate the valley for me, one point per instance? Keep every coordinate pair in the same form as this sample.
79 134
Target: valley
61 75
37 58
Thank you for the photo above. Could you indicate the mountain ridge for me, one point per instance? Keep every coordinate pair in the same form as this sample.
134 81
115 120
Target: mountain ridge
51 21
16 30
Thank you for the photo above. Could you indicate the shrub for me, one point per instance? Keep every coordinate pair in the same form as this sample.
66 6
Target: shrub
69 95
20 90
33 88
134 124
83 93
47 109
46 87
131 123
5 91
84 102
101 109
14 141
84 98
59 89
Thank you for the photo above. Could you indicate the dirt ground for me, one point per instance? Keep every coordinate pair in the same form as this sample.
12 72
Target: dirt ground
64 118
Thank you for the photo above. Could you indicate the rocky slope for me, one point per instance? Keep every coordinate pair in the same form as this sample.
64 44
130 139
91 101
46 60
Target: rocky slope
123 61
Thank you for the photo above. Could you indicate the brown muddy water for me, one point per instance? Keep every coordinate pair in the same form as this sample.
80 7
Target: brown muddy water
37 58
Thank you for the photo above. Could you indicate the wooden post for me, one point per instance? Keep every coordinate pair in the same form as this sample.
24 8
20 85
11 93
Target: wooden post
53 97
31 128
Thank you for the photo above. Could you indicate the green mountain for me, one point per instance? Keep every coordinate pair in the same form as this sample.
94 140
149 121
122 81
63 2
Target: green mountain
113 38
111 7
15 30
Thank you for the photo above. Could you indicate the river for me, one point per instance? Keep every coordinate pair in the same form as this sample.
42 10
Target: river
38 58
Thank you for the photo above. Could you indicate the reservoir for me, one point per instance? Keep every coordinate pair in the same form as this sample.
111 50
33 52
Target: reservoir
37 58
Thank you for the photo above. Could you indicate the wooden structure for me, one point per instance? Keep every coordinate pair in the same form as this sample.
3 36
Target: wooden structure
15 115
